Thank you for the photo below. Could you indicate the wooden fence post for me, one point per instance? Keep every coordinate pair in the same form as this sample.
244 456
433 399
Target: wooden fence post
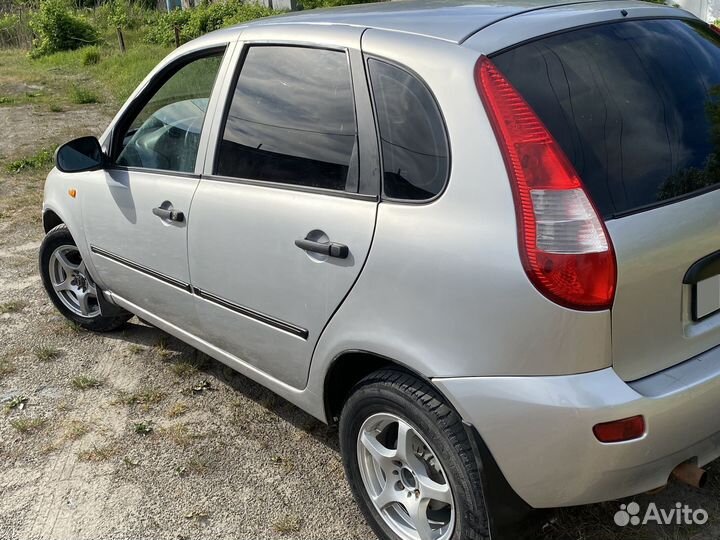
121 40
177 36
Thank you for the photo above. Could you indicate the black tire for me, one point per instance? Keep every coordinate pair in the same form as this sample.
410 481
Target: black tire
421 406
58 237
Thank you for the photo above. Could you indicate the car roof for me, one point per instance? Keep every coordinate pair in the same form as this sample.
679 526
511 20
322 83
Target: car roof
449 20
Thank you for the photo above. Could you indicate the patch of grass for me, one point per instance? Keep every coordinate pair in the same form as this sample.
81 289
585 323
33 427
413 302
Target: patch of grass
90 56
83 96
143 428
6 100
27 426
18 402
13 306
145 397
288 524
121 73
178 409
85 382
47 353
41 159
134 348
74 429
55 107
161 349
182 435
189 367
98 453
66 327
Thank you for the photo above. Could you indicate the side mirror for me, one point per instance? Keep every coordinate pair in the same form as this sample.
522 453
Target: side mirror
78 155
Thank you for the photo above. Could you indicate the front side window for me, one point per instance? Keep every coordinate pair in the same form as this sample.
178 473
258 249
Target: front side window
165 133
415 151
291 119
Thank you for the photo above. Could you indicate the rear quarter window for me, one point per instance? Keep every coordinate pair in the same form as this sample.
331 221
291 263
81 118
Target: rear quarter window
635 105
415 154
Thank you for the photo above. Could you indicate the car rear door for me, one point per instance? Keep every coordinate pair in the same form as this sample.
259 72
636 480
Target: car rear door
636 107
284 215
136 211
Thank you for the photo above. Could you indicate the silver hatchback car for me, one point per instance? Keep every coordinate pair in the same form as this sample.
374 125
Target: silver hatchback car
482 238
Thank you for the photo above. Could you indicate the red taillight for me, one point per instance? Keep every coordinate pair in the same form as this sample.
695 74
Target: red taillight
564 246
626 429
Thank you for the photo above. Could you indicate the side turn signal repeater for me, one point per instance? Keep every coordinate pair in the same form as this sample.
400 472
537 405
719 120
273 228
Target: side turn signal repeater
72 192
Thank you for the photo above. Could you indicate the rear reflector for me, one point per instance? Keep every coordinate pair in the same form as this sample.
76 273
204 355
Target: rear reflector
565 249
626 429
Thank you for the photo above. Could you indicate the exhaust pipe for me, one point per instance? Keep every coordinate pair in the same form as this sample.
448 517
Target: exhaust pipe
690 474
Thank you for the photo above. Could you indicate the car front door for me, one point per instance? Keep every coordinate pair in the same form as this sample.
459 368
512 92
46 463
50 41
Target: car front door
284 217
136 213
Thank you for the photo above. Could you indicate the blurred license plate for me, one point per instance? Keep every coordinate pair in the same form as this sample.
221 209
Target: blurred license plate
707 297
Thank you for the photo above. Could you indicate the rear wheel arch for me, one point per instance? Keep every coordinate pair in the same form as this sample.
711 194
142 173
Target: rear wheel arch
511 517
349 368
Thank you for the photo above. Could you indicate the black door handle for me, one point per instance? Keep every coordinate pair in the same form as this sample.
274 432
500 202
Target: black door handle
172 215
331 249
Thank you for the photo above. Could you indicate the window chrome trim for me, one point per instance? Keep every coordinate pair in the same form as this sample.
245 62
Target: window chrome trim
291 187
162 172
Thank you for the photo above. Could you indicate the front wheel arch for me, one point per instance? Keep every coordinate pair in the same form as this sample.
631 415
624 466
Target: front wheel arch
50 220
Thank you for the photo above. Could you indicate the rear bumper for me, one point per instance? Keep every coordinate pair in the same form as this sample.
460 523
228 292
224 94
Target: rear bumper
539 429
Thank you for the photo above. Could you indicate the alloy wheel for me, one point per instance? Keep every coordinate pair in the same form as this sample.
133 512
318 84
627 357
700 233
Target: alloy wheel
404 479
72 283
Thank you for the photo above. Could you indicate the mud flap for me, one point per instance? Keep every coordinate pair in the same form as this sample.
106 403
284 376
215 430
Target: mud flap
107 308
510 517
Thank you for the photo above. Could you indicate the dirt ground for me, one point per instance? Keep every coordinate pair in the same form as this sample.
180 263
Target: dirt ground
134 435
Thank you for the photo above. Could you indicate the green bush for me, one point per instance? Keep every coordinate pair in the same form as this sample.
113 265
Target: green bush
14 30
203 19
121 13
57 28
162 28
91 56
8 23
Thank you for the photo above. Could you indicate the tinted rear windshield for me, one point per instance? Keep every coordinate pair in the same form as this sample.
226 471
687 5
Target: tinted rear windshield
635 105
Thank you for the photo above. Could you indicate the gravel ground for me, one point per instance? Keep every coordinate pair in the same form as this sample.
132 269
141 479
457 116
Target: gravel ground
224 458
134 435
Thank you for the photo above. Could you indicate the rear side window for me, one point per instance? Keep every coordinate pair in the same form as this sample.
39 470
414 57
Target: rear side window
635 106
292 120
414 145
